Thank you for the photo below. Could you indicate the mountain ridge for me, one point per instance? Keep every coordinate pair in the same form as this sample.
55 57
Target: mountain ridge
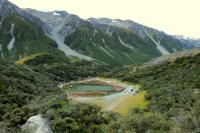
114 42
154 77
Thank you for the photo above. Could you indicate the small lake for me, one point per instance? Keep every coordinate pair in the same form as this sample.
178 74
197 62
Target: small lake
90 88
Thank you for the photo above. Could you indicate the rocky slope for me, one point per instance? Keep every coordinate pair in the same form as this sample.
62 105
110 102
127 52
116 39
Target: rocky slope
112 42
188 41
164 43
21 34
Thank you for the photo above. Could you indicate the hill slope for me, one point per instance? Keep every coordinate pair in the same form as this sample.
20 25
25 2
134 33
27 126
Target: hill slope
172 86
113 42
31 86
19 38
21 34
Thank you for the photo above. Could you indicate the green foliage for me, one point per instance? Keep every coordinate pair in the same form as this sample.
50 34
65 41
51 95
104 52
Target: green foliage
80 118
19 84
61 68
29 87
172 90
29 38
140 123
43 58
97 43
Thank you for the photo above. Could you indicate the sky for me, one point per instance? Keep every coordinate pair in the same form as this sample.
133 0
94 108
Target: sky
176 17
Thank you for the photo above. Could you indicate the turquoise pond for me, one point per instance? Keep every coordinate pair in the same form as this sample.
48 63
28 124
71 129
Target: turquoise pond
89 88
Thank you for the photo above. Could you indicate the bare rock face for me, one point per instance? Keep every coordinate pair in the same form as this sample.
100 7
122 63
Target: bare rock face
36 124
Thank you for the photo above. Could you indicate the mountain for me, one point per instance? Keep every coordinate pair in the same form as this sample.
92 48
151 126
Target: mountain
95 41
165 43
188 41
112 42
43 54
60 24
21 34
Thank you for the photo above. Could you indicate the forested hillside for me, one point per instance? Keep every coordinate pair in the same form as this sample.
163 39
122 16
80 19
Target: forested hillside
30 87
173 89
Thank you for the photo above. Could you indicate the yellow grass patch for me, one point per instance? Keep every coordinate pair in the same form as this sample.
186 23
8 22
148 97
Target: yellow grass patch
120 104
130 102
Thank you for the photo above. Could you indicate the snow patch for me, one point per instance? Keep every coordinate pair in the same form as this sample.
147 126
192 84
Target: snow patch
124 44
12 41
162 50
36 124
56 14
114 21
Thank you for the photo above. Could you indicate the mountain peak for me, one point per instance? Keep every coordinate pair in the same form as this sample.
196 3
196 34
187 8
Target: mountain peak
7 8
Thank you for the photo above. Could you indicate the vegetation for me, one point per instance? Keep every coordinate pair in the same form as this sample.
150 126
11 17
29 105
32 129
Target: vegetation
30 87
97 43
172 90
29 38
32 70
61 68
130 102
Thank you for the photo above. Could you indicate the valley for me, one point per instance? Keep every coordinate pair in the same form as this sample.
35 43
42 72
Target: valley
60 73
109 94
75 95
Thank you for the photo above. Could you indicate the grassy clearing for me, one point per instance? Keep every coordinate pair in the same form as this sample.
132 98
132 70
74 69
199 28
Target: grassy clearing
130 102
120 104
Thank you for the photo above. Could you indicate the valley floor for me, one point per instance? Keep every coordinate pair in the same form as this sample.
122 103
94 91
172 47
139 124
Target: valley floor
121 102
